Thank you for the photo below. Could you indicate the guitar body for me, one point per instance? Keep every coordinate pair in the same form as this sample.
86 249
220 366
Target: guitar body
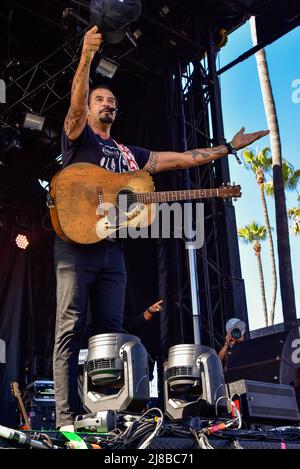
86 204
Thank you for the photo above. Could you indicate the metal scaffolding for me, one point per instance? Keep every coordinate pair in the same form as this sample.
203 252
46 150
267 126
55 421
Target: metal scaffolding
38 88
217 268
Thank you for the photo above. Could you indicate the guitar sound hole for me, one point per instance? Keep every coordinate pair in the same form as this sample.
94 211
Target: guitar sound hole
125 199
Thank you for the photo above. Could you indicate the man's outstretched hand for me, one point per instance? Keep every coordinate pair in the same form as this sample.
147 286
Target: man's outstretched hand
91 43
242 140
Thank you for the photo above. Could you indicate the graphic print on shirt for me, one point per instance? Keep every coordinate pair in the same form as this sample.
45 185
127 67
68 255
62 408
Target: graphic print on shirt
112 159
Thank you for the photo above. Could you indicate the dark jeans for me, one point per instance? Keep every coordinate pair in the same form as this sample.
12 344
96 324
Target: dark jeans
94 273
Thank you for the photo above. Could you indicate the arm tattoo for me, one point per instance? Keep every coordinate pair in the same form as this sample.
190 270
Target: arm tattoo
206 152
153 160
77 82
72 121
79 98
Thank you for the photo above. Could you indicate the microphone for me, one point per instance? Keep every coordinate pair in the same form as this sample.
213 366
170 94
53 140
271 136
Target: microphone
111 109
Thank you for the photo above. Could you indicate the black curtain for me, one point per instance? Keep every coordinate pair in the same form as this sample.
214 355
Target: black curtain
13 320
27 315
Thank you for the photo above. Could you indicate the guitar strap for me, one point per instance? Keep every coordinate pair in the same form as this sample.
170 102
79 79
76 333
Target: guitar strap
132 164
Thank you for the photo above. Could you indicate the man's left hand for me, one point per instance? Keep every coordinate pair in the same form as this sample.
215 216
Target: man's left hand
242 140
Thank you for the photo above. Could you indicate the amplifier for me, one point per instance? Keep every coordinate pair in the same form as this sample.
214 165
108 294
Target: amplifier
42 414
259 400
40 390
40 404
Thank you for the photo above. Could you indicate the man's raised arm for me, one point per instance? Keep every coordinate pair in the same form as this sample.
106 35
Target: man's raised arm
78 110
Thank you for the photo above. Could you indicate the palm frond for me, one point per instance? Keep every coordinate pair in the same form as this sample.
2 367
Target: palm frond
252 232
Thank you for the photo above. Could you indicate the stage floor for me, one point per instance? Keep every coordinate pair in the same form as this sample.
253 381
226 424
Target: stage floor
286 438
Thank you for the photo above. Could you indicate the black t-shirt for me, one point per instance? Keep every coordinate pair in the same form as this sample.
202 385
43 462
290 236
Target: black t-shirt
91 148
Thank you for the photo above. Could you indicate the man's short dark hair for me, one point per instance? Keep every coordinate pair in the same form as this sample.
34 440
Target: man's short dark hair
104 86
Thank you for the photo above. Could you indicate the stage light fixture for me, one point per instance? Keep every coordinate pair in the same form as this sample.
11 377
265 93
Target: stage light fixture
22 241
137 34
193 382
107 67
164 11
34 121
172 43
115 373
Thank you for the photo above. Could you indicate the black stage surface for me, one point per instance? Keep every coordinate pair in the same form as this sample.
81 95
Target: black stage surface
287 438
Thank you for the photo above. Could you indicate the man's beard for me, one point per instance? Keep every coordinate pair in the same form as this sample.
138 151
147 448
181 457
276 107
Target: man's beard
106 119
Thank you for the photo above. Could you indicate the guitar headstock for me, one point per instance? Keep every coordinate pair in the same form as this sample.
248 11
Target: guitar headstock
230 192
14 386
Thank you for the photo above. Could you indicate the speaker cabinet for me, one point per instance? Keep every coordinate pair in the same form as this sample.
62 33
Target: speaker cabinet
267 358
260 400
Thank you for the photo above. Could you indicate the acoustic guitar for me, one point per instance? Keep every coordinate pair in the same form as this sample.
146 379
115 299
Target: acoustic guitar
88 203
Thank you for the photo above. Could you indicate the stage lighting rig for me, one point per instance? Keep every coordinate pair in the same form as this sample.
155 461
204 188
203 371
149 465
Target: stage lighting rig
107 67
34 121
164 11
22 241
115 373
193 382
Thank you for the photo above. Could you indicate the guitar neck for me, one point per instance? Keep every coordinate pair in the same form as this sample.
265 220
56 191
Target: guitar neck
24 413
172 196
17 394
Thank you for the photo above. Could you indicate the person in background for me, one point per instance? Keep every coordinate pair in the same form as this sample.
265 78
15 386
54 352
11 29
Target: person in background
133 324
137 325
235 333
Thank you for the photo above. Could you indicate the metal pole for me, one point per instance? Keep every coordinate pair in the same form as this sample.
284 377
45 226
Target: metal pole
192 261
234 289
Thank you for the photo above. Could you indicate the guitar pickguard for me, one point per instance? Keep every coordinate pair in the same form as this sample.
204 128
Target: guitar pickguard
113 219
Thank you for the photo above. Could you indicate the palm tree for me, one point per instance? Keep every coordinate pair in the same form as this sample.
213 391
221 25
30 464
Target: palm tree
260 163
254 234
291 179
282 228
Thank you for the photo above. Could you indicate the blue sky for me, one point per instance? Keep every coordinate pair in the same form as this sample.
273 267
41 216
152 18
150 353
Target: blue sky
243 106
